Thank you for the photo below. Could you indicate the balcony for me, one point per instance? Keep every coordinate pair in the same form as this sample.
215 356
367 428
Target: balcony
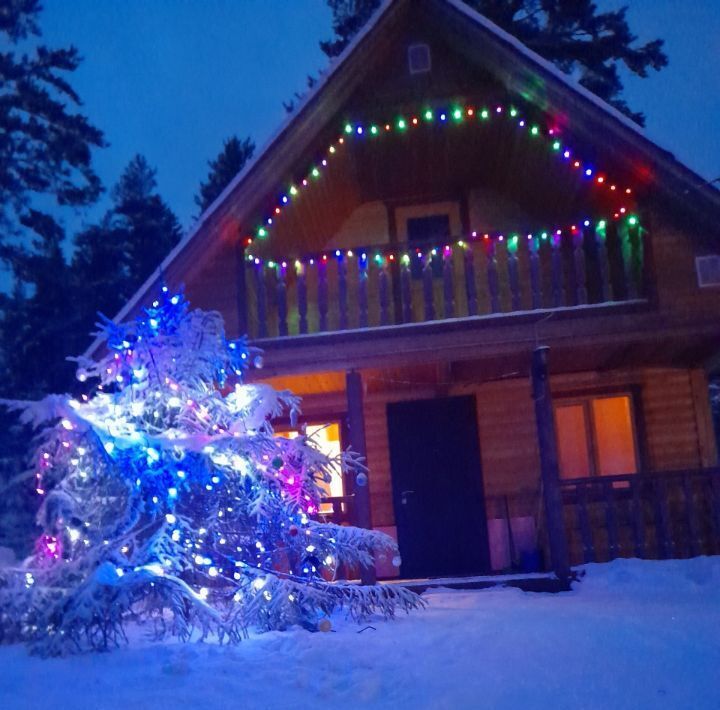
483 275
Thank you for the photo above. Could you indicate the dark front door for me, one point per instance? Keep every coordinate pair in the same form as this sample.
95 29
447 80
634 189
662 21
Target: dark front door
437 487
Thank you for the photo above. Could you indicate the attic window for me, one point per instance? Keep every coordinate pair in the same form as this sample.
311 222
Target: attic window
708 270
419 61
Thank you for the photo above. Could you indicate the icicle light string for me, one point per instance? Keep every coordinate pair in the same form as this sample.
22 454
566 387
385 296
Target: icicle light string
379 253
427 117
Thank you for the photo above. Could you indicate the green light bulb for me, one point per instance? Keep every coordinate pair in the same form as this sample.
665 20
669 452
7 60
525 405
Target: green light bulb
401 124
534 130
457 114
632 221
348 128
556 145
428 115
315 172
262 232
485 113
374 130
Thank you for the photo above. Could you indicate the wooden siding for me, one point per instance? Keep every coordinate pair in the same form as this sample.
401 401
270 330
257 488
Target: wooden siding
671 407
674 248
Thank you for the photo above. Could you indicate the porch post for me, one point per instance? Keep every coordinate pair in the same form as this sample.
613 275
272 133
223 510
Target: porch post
240 272
549 468
356 429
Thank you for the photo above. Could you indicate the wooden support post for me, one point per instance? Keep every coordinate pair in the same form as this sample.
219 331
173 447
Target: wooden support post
242 312
549 469
360 490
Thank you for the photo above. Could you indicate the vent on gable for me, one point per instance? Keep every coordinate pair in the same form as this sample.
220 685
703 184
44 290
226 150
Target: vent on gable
419 60
708 270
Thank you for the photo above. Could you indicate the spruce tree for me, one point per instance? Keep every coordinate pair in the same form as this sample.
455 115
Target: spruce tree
113 258
572 34
167 498
36 318
229 162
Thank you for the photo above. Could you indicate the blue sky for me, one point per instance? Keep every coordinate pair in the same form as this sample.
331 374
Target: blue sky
172 78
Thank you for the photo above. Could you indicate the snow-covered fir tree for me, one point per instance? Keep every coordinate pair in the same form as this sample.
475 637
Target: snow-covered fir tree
168 498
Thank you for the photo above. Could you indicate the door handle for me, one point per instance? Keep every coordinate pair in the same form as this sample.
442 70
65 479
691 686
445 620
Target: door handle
404 495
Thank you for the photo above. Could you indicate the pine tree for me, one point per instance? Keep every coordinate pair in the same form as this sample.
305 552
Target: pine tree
229 162
45 146
113 258
572 34
37 317
167 495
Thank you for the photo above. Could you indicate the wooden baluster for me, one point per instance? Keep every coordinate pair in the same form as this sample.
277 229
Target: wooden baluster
281 293
584 524
428 287
637 243
448 287
695 541
301 296
322 294
714 498
535 281
492 276
261 297
470 287
662 527
384 286
406 288
578 242
638 516
626 251
342 292
611 519
362 292
513 273
558 281
605 290
395 288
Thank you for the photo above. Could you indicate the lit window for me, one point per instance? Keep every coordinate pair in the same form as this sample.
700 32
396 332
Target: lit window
596 437
327 439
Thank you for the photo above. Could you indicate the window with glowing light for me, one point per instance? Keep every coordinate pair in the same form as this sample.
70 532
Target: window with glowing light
327 438
596 436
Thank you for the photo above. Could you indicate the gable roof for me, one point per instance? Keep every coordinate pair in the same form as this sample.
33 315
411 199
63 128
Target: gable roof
521 69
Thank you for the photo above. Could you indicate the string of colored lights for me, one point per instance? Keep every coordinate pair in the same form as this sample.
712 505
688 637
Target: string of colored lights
404 252
431 116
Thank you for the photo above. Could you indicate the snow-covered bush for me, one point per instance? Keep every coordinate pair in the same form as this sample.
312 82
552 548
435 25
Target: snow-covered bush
168 498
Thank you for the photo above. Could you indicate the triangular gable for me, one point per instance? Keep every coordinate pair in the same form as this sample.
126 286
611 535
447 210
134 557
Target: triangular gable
522 70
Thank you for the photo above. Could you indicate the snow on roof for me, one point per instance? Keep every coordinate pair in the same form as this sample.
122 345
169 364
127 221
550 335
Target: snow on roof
535 58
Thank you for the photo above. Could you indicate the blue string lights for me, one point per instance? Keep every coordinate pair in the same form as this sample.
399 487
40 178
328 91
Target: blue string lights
168 486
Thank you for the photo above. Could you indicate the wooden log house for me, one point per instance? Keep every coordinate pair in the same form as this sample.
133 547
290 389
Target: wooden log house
491 284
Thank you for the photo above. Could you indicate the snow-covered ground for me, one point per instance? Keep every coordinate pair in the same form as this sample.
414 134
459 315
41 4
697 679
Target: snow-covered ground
632 635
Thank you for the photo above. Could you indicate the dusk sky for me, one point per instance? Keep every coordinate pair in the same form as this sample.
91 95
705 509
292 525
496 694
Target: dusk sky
172 78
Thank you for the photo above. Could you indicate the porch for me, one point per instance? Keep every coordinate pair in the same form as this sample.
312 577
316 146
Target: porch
655 515
668 506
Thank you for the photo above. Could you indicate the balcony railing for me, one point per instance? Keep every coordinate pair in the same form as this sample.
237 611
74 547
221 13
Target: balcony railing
657 516
370 287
